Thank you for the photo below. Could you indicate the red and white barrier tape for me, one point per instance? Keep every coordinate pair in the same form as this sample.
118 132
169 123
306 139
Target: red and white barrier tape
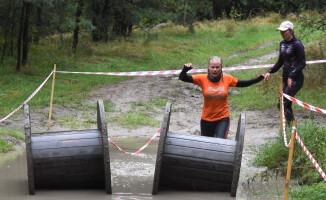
171 72
28 99
320 170
305 105
284 126
150 73
168 72
139 150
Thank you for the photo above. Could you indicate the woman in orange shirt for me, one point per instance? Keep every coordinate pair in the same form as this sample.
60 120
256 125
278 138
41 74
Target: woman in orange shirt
215 118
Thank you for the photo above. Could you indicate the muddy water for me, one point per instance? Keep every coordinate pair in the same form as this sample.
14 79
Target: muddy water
132 178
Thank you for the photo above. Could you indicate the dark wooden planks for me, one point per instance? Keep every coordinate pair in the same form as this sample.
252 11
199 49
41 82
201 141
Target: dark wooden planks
66 135
69 159
66 143
72 182
67 152
198 144
83 160
199 153
191 162
199 163
198 138
199 174
182 183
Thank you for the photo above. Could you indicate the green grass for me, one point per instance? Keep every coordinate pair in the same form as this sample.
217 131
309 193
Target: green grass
314 192
133 120
6 146
12 133
141 114
274 155
149 106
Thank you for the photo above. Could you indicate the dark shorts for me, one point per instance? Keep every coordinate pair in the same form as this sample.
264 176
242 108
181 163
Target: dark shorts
217 129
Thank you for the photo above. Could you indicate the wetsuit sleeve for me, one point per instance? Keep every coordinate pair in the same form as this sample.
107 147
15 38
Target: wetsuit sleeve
278 64
301 58
246 83
184 76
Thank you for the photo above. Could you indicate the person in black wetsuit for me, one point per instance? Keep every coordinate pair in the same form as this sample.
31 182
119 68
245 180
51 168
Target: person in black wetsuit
215 120
292 58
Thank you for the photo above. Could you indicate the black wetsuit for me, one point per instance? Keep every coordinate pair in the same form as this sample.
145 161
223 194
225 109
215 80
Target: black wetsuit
218 128
292 58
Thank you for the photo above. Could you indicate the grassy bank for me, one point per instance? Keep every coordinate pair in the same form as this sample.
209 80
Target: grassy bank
8 139
274 155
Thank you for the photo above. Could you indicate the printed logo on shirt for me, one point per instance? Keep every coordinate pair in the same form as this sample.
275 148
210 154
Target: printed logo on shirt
215 93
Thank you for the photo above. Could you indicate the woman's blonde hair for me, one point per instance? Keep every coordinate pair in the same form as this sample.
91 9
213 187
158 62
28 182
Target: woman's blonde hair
214 58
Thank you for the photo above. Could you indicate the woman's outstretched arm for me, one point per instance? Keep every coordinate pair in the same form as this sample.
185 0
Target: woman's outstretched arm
246 83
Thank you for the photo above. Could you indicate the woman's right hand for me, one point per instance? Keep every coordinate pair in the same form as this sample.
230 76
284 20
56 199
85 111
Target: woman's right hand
267 75
188 65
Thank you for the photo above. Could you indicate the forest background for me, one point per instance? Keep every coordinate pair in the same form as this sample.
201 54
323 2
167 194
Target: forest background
140 35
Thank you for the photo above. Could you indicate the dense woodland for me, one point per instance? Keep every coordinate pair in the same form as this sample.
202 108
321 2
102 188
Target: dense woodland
24 22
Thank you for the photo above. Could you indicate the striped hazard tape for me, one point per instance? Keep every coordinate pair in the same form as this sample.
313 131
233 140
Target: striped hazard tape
172 72
28 99
284 126
302 104
320 170
139 150
147 73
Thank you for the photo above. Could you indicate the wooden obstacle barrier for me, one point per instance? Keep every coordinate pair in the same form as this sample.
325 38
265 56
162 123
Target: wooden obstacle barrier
190 162
70 159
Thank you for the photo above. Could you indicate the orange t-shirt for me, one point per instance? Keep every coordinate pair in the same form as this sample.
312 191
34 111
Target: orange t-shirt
215 95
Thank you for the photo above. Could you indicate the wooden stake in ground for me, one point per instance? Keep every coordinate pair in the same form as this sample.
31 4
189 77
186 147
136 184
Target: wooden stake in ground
288 173
51 101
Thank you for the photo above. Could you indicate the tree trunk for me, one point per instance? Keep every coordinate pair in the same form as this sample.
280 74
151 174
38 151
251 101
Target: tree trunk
96 33
105 20
76 31
215 9
20 36
38 24
26 39
4 47
185 13
221 7
122 18
12 31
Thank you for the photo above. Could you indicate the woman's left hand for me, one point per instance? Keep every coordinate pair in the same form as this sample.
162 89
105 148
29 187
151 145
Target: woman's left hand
260 77
290 83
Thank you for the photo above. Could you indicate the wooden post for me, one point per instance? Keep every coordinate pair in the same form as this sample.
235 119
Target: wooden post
51 101
288 173
29 156
281 103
